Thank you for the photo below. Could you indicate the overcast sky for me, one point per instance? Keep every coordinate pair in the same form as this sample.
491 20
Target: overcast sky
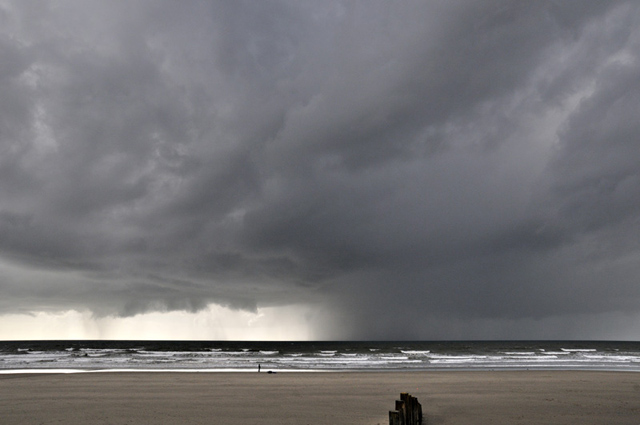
320 169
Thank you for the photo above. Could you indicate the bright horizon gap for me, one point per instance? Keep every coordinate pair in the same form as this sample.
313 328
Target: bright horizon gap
213 323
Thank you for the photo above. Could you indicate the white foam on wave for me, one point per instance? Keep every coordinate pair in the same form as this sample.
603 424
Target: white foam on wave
455 357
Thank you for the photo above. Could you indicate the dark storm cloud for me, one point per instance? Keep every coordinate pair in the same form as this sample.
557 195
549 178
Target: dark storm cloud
451 164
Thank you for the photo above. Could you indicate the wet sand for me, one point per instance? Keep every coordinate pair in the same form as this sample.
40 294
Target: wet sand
364 398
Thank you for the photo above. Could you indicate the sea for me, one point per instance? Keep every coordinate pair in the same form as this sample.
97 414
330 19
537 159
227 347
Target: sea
326 356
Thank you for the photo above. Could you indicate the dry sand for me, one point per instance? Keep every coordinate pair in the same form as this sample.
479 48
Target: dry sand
511 397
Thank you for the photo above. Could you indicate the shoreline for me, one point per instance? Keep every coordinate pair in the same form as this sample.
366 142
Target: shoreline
362 398
45 370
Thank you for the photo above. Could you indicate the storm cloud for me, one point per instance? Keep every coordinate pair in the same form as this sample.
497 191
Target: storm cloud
443 169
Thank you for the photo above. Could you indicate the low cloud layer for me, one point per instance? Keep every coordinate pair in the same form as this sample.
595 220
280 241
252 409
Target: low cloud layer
470 168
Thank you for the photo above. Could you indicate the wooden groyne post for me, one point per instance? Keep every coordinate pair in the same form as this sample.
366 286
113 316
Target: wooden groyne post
408 411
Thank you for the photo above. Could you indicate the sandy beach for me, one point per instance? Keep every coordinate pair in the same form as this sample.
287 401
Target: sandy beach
509 397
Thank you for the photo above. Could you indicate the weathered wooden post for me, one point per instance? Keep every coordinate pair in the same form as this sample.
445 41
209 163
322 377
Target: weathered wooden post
406 398
394 417
401 407
414 410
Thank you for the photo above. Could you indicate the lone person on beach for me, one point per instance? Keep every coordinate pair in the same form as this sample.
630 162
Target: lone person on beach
258 367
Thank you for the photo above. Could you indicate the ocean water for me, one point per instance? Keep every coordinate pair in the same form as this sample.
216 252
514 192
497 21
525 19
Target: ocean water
72 356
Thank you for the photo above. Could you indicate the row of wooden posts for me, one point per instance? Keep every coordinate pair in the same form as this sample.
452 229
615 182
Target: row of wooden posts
408 411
